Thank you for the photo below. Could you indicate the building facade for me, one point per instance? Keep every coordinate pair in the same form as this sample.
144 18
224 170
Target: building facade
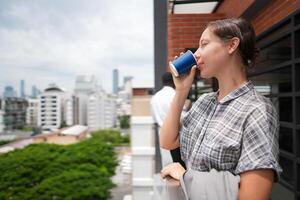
115 81
70 106
9 92
101 111
110 111
22 88
13 112
95 110
32 112
34 91
50 112
1 116
84 86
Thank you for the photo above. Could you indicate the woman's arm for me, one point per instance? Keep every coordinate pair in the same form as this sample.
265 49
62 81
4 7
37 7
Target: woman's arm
256 184
169 131
168 136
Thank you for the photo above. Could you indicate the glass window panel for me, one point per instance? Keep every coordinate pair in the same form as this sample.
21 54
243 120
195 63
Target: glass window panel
274 82
297 41
288 170
278 52
298 110
297 77
286 139
285 109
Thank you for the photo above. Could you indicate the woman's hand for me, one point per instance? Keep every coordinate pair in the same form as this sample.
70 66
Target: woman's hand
175 170
184 82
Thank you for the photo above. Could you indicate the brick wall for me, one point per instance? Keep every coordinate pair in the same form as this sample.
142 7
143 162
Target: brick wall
184 31
272 13
141 91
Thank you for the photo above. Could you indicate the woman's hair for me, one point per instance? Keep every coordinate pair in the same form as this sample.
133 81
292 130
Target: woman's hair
237 27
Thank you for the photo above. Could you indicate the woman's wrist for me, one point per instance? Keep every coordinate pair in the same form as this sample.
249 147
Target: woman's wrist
180 98
182 93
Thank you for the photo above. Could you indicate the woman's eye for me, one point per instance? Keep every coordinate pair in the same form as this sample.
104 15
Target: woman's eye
203 44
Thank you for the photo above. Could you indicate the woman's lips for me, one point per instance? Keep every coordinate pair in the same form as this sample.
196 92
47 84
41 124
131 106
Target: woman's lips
200 66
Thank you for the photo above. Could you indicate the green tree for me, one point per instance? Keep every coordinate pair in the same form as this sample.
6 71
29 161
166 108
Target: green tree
63 124
3 142
111 136
48 171
124 121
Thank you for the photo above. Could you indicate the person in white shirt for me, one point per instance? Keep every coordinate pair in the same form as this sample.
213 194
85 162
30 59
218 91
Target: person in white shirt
160 104
161 101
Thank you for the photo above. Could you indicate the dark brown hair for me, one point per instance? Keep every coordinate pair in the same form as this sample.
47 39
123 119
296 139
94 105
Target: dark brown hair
237 27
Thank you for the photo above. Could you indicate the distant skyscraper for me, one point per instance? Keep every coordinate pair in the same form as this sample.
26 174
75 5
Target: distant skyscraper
115 81
101 111
9 91
84 86
34 92
126 79
22 88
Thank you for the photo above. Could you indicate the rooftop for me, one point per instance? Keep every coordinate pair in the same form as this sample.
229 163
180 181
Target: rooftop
75 130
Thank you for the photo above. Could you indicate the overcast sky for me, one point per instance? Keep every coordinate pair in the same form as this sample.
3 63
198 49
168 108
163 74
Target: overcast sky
46 41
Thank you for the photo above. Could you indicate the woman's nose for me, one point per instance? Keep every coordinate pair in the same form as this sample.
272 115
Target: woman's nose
197 54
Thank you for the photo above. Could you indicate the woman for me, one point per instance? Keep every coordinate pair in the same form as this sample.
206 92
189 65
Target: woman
234 129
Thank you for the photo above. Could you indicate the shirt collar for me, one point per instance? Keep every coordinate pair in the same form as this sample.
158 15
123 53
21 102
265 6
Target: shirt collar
243 89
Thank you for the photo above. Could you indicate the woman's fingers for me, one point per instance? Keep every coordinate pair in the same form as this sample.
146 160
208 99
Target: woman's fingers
181 53
172 72
164 172
193 71
175 170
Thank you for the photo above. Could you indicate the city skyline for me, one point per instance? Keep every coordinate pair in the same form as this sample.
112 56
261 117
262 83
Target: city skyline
54 41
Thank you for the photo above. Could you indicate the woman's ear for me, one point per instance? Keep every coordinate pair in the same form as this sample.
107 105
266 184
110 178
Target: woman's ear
233 44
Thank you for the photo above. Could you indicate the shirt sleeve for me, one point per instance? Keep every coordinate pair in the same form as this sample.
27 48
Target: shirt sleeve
259 148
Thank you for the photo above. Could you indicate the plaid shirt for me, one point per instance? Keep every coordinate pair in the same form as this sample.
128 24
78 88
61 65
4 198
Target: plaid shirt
237 134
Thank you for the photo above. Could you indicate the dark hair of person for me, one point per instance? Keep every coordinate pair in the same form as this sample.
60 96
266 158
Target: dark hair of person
167 80
227 29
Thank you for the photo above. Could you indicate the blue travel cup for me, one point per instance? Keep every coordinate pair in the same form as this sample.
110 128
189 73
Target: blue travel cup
183 63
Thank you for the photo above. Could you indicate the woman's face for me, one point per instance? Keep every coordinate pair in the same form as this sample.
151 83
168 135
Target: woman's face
211 55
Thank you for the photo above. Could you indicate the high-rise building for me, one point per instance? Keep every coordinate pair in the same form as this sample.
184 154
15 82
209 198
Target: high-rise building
84 86
9 91
115 81
101 111
127 79
71 110
110 111
34 91
124 97
95 110
50 113
32 112
1 116
13 111
22 88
